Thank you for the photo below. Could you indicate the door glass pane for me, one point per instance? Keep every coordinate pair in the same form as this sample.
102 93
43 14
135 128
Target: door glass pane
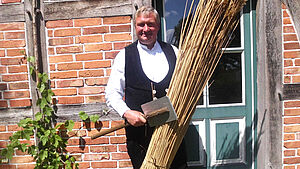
225 85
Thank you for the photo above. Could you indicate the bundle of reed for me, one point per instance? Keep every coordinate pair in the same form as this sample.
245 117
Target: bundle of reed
204 33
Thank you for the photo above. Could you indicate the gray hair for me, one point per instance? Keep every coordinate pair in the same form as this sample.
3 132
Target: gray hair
147 10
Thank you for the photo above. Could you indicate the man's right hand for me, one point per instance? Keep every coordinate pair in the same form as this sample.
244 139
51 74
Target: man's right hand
135 118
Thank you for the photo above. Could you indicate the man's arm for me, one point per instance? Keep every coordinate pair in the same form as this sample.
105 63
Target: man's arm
115 92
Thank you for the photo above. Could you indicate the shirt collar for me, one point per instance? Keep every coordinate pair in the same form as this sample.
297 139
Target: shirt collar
144 47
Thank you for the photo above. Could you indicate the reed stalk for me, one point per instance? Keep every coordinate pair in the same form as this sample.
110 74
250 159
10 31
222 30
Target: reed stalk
205 31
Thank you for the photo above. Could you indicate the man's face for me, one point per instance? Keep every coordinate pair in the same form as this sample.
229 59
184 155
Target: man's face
146 29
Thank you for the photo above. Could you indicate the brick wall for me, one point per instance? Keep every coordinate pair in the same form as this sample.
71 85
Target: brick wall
291 126
80 55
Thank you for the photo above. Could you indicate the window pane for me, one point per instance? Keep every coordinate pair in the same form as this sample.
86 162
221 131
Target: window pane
235 39
225 85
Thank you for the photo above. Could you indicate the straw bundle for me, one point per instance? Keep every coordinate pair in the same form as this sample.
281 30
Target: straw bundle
208 31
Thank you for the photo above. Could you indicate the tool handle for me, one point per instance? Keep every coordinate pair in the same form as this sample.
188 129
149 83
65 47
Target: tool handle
103 132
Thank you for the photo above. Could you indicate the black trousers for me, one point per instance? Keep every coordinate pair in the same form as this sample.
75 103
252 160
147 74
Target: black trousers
137 151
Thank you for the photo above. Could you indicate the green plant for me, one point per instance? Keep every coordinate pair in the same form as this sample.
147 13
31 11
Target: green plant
49 149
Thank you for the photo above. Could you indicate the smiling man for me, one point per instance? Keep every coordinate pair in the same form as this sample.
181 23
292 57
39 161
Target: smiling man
142 72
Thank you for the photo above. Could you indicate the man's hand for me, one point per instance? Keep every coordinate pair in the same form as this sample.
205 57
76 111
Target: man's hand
134 118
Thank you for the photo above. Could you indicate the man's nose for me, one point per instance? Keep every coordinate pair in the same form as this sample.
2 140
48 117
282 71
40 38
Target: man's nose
146 27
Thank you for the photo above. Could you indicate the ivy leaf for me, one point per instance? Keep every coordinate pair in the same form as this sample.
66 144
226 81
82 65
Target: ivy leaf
23 123
43 154
43 103
94 118
83 115
27 133
31 70
31 59
69 124
38 116
42 87
44 140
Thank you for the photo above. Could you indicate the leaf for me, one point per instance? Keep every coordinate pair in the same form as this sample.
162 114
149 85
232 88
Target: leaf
43 154
38 116
44 140
27 134
43 103
69 124
94 118
42 87
31 70
24 122
83 115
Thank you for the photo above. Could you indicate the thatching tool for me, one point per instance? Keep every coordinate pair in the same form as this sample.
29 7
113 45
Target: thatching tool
157 112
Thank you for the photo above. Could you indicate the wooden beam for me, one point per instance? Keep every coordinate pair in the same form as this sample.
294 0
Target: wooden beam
91 8
12 13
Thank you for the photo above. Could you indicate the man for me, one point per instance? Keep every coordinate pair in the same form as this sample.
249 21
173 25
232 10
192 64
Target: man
142 72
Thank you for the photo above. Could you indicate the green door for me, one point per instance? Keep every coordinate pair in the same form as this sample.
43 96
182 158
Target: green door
222 133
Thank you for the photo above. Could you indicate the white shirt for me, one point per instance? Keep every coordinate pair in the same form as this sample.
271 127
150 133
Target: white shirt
155 66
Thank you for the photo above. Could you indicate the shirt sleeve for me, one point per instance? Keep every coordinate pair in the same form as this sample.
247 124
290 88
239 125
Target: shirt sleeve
116 85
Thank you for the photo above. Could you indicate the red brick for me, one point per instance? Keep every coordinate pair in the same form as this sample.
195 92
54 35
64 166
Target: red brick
292 104
60 58
290 37
16 77
121 45
291 54
5 136
120 28
98 47
17 69
78 149
293 70
287 21
24 159
117 140
3 144
16 52
95 99
292 129
120 132
1 35
97 141
70 66
119 156
288 63
59 23
87 22
12 61
51 51
14 128
292 120
108 71
96 157
291 46
289 137
291 112
117 20
106 164
89 39
10 1
70 100
69 49
15 35
61 41
293 144
2 53
12 43
3 86
3 103
288 29
125 164
98 125
64 92
70 83
91 73
289 167
3 69
297 62
122 148
95 30
117 37
52 67
293 160
16 94
19 85
96 81
2 128
50 33
12 26
97 64
89 56
90 90
63 75
20 103
5 166
84 165
296 79
102 149
111 55
67 32
26 166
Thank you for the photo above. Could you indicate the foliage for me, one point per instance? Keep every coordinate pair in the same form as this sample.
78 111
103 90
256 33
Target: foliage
85 117
49 150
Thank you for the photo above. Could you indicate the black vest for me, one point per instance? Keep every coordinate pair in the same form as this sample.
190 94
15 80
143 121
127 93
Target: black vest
138 86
